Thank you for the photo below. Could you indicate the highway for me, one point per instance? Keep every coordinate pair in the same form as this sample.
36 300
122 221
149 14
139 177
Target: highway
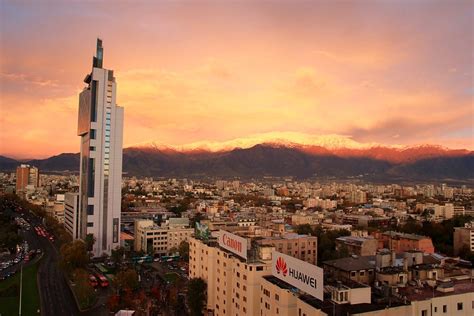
56 297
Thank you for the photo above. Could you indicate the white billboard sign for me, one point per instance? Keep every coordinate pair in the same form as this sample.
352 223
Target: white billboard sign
233 243
302 275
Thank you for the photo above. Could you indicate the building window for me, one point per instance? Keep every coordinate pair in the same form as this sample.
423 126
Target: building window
90 209
277 297
424 312
90 224
459 306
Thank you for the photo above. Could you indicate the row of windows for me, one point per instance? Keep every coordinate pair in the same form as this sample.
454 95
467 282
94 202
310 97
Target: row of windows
361 273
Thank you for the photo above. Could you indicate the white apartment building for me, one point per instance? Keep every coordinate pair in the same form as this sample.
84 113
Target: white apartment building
160 240
233 283
445 211
234 273
71 207
100 126
464 237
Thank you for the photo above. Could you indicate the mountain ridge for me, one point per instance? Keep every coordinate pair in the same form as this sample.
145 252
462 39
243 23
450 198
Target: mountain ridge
427 162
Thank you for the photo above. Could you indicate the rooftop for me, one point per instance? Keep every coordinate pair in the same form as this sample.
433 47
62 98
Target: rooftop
280 283
416 293
393 234
352 263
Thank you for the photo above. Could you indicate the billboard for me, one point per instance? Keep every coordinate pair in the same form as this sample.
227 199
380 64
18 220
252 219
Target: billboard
302 275
201 231
233 243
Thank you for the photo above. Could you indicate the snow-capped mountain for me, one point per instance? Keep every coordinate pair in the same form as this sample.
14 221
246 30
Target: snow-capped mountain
338 145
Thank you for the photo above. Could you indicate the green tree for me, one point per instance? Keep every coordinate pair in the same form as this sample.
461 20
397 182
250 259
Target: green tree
83 289
196 296
9 237
90 241
183 250
304 229
173 250
117 255
73 256
126 279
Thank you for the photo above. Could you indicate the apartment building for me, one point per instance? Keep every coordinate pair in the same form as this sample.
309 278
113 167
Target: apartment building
233 281
400 242
26 175
360 246
303 247
160 240
464 238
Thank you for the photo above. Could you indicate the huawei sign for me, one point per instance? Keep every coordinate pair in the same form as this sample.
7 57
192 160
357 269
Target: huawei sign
281 266
303 275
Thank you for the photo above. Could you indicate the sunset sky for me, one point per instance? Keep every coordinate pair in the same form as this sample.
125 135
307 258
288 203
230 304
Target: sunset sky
389 72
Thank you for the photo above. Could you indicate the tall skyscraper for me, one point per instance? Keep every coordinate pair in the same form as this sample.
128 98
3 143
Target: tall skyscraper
100 127
26 175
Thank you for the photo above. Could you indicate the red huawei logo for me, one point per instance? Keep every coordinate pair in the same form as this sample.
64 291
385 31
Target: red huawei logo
281 266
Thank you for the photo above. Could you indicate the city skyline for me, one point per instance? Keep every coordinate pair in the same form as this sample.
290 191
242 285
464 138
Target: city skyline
206 72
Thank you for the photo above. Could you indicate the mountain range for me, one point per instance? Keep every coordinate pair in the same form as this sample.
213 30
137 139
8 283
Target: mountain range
301 160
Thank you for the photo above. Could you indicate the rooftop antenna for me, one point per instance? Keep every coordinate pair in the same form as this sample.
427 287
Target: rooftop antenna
98 59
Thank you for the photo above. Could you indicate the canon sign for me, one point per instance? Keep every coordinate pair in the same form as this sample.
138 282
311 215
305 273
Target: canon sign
233 243
300 274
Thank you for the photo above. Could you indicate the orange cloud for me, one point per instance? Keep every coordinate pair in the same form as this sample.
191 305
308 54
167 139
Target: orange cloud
221 72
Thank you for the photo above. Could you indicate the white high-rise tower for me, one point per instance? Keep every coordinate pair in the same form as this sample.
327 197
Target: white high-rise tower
100 126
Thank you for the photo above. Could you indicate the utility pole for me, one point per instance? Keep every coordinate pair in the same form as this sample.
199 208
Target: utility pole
21 288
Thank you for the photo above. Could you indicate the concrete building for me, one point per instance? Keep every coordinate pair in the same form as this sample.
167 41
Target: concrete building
354 268
26 175
160 240
303 247
71 207
444 298
400 242
233 282
444 211
100 126
360 246
464 238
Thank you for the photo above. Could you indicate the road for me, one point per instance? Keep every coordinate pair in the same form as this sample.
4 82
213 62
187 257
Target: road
55 294
56 297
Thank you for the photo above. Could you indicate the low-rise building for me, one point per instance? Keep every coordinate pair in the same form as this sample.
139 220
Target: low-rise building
303 247
401 242
160 240
360 246
464 238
